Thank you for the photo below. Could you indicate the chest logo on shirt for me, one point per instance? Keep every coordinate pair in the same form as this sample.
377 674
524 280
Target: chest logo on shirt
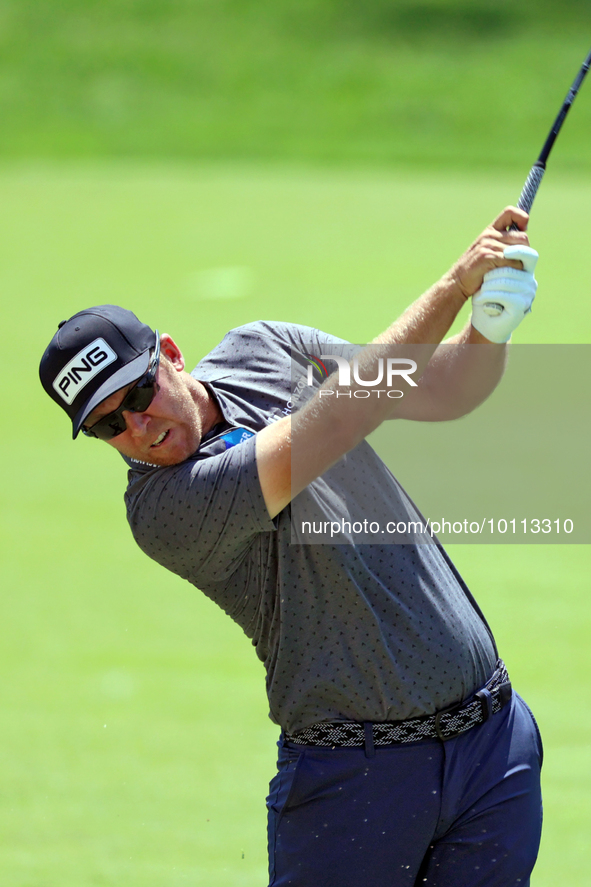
236 436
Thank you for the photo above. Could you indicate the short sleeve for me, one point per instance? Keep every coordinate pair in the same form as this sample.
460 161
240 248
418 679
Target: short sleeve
199 518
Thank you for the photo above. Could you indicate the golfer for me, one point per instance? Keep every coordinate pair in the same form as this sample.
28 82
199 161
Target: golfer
405 756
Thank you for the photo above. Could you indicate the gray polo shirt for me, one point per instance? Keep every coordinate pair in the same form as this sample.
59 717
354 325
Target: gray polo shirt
346 632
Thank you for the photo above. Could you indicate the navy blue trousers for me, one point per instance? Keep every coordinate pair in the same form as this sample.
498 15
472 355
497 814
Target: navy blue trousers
462 813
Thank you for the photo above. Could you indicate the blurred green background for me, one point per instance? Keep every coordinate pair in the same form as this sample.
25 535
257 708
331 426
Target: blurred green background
440 82
206 164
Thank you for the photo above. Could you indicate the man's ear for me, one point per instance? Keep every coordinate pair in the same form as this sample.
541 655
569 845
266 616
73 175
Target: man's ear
171 350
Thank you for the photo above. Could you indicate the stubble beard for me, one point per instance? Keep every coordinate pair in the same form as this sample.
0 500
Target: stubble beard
187 422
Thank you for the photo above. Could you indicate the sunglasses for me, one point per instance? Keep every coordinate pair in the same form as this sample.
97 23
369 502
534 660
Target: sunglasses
137 400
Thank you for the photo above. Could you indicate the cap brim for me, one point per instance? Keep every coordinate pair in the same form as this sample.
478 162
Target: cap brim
131 372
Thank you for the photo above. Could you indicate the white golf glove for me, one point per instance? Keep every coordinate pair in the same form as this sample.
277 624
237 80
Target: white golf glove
506 296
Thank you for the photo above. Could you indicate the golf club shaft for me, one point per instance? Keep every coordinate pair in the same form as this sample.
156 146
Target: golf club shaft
537 171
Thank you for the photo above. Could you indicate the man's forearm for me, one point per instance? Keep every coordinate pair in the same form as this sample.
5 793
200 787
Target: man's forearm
336 419
463 372
421 328
427 321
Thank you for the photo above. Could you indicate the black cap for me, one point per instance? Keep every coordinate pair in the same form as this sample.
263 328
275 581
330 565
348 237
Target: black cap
93 354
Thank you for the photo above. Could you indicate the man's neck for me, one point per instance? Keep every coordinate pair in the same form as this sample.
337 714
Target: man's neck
207 404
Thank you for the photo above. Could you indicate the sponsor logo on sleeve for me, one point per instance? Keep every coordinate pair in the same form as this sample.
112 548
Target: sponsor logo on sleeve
90 361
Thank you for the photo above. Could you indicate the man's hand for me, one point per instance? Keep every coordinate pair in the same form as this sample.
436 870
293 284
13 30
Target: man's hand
505 297
487 251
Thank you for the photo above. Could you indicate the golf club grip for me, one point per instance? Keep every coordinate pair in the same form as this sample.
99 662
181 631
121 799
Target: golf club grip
530 189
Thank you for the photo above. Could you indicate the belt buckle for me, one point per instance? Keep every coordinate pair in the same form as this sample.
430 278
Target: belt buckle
447 711
505 693
486 703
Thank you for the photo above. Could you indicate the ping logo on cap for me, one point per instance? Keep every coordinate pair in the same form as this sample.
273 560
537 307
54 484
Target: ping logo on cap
82 368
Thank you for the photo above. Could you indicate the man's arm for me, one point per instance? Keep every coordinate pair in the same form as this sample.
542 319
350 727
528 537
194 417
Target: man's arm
328 427
457 379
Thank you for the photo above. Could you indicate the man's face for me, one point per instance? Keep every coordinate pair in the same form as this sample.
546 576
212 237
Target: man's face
171 429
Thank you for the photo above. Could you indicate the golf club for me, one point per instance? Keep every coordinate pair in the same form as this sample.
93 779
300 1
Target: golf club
536 173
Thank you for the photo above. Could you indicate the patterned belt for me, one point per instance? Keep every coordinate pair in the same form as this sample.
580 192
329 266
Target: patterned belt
446 724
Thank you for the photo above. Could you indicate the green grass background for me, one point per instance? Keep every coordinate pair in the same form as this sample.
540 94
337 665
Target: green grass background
207 164
441 82
135 745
